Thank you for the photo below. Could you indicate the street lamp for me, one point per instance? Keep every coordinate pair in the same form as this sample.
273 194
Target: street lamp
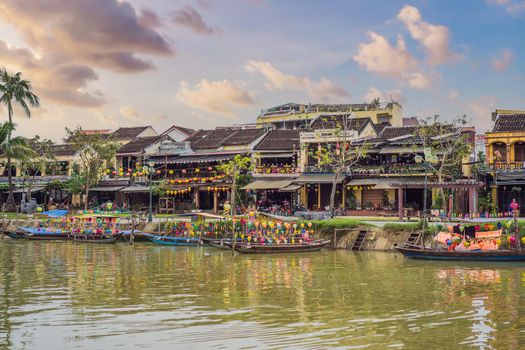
151 164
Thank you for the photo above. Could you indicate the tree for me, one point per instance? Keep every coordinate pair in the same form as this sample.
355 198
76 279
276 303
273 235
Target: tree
13 148
235 169
448 141
15 90
340 149
31 166
94 151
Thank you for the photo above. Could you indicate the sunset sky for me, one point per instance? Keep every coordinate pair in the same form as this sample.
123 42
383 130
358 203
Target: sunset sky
199 64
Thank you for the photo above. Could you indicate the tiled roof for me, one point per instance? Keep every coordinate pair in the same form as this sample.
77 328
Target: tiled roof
139 144
197 136
509 123
391 132
337 121
186 131
277 140
65 149
243 137
128 133
381 126
213 139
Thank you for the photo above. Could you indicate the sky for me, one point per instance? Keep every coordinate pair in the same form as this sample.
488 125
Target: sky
101 64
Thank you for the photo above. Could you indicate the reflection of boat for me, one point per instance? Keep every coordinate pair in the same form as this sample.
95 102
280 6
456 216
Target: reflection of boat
171 240
137 236
44 234
220 243
434 254
264 248
97 238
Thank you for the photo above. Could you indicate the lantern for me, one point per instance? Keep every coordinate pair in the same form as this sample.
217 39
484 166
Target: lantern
109 205
120 170
210 168
208 188
183 171
189 188
158 172
170 172
197 170
39 209
140 174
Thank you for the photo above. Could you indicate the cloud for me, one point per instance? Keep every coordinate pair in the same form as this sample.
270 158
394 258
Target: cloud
503 61
67 41
132 115
481 110
149 19
512 6
219 97
324 90
380 57
434 38
453 94
188 17
389 95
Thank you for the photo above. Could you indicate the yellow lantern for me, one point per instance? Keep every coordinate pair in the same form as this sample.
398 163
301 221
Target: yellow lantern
120 170
197 170
170 172
189 188
208 188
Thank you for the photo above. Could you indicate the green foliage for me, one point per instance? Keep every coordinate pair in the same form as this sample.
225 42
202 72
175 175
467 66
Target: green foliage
438 202
75 184
351 201
385 201
237 170
330 225
14 147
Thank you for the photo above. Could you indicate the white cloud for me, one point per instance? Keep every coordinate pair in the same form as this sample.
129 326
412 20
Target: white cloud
380 57
453 94
481 110
219 97
324 90
503 61
512 6
389 95
433 37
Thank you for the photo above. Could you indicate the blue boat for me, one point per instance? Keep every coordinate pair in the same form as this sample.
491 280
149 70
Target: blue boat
173 241
479 255
42 233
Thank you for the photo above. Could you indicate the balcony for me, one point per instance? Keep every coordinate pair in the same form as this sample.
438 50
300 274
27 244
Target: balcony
273 170
508 166
374 170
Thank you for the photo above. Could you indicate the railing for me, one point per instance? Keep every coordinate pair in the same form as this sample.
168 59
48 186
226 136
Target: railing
508 166
280 170
393 168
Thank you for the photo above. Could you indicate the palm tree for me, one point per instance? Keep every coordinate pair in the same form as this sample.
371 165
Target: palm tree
14 90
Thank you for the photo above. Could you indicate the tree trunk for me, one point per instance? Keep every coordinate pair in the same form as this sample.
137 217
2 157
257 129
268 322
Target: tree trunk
442 194
86 199
10 204
233 205
332 193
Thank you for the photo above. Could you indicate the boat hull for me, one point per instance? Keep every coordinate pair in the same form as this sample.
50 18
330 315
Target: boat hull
257 248
14 234
430 254
172 241
96 240
224 243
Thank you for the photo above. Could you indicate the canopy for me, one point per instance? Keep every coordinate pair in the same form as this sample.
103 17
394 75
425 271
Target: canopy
56 213
135 189
315 178
267 184
400 150
291 188
379 184
33 189
106 188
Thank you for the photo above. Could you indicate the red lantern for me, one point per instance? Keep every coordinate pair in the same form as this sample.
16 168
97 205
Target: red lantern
184 171
158 172
210 168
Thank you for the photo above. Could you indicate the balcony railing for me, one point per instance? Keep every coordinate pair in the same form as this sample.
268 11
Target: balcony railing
393 168
509 166
275 170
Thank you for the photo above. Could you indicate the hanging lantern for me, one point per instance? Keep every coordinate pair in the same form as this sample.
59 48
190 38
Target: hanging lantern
171 172
208 188
108 171
189 188
197 170
210 168
109 205
130 170
140 174
183 171
158 172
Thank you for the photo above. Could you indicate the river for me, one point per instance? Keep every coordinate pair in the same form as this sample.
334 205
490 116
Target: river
65 295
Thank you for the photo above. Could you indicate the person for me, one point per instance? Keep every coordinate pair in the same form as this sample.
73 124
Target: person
514 207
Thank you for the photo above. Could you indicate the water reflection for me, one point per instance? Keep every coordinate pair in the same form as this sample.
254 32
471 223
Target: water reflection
70 295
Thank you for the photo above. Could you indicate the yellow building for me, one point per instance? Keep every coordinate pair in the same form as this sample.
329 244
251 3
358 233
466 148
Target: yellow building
294 115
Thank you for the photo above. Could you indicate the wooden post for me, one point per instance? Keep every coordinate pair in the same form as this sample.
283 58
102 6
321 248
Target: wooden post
508 155
400 203
215 202
197 199
318 196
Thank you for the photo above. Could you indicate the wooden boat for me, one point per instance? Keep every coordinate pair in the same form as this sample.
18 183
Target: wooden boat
137 236
263 248
476 255
43 234
97 238
219 243
170 240
14 234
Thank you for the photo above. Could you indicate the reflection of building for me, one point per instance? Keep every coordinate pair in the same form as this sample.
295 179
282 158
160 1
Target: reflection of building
505 147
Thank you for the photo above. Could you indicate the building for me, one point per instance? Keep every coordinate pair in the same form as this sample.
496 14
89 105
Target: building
505 148
299 116
178 133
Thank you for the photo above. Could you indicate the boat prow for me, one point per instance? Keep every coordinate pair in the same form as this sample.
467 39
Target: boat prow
434 254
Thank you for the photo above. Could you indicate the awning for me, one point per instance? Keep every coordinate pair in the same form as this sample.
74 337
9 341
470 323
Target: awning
56 213
198 158
135 189
267 185
106 189
400 150
316 178
276 155
33 189
291 188
379 184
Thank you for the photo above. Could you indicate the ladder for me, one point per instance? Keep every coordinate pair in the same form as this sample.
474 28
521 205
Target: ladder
413 239
359 240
